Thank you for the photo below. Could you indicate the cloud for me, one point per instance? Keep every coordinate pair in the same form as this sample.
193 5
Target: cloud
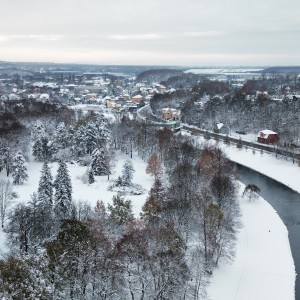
134 37
210 33
3 39
36 37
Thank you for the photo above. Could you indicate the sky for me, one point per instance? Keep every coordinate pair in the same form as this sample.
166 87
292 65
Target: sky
152 32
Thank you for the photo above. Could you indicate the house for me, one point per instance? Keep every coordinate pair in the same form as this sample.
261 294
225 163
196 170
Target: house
160 88
137 98
267 136
221 128
170 114
44 97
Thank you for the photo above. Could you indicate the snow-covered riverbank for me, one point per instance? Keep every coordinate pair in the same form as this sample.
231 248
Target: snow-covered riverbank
263 267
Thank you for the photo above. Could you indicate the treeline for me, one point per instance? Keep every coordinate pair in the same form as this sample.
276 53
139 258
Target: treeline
187 225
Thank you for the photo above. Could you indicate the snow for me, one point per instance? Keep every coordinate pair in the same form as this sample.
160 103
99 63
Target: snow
263 267
279 168
92 192
83 191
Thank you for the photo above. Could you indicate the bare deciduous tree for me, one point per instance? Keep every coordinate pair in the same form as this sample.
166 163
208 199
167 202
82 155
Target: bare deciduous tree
6 198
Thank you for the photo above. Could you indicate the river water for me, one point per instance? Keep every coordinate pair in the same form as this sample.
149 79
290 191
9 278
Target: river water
287 204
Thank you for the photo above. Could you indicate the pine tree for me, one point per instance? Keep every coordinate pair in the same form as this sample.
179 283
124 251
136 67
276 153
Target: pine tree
38 131
61 136
158 191
127 173
150 209
90 138
100 162
63 193
43 149
45 189
19 169
121 210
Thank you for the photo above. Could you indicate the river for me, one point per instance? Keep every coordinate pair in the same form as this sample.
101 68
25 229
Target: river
287 204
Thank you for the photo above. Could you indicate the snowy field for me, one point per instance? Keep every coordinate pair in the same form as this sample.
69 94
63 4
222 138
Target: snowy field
92 192
280 169
263 268
87 192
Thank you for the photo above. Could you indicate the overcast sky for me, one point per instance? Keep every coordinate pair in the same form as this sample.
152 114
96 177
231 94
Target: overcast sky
161 32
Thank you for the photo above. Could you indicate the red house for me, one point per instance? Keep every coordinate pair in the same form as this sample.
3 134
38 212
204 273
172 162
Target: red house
267 137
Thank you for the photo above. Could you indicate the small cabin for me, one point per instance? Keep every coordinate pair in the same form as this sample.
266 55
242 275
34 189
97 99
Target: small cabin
221 128
267 137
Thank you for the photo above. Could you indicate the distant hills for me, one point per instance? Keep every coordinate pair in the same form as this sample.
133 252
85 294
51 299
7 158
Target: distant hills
281 70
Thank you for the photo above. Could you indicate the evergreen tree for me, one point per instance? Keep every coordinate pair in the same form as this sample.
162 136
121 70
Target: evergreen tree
38 131
127 173
63 193
121 210
158 192
90 138
19 169
150 209
100 162
45 189
43 149
61 136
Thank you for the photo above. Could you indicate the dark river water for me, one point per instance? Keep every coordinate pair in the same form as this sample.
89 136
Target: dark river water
286 202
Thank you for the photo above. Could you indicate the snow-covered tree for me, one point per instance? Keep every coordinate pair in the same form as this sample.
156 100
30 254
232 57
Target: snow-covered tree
6 198
61 136
100 162
120 210
127 173
19 169
150 209
63 193
154 166
45 189
251 191
43 149
38 131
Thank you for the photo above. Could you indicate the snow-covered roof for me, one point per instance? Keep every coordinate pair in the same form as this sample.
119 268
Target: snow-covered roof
219 125
137 97
265 133
44 96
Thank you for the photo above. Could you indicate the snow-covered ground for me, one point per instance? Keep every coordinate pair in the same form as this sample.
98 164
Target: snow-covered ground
263 267
82 191
279 168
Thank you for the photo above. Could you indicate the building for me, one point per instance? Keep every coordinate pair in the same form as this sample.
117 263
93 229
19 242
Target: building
171 114
137 98
267 137
221 128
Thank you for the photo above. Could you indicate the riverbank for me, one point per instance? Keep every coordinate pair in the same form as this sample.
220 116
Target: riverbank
263 267
277 168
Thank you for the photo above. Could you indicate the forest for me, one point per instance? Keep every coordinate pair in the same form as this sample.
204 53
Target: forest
60 249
